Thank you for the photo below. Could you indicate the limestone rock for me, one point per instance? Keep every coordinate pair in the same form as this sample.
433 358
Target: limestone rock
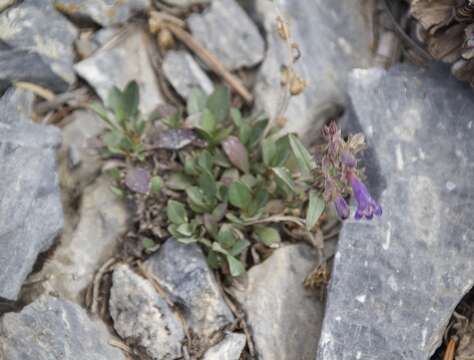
183 272
227 31
51 328
127 58
397 280
333 38
36 45
142 318
184 73
285 318
230 348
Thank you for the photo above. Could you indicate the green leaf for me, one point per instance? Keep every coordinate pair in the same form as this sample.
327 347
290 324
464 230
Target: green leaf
208 122
214 259
148 243
235 266
245 133
236 117
117 191
239 246
219 102
226 236
267 235
112 139
179 181
186 240
284 175
205 161
115 102
316 207
185 230
256 133
196 101
239 195
218 248
155 184
102 113
176 212
208 184
197 200
268 151
131 99
302 155
282 152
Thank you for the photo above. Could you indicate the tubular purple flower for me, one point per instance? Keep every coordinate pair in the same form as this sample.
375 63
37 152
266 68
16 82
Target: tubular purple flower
366 205
342 208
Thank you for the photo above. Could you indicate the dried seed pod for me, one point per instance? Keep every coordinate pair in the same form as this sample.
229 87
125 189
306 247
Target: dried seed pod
165 39
282 28
296 52
281 122
154 24
297 85
285 73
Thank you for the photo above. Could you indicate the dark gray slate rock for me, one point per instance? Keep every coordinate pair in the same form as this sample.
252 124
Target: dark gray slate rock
227 31
103 12
183 272
184 73
142 318
16 103
397 280
30 207
51 328
128 56
230 348
285 318
36 45
332 37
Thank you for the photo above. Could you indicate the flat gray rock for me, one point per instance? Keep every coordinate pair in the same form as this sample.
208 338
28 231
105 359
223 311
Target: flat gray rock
103 12
36 45
333 39
84 246
51 328
230 348
184 3
285 318
127 57
397 279
183 272
142 318
228 32
30 208
184 73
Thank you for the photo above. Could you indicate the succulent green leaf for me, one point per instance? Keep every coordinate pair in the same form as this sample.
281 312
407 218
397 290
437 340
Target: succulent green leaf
239 246
236 116
237 153
226 236
239 195
208 184
156 184
302 155
196 101
131 99
235 266
219 102
316 207
179 181
176 212
284 175
267 235
208 122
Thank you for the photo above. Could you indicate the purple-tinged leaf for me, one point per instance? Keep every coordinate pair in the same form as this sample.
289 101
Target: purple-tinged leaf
138 180
236 152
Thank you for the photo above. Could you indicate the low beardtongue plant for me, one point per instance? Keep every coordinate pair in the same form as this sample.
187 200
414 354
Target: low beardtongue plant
228 181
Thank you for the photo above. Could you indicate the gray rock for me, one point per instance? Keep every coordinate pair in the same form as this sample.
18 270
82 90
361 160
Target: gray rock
184 3
230 348
79 157
184 73
332 37
51 328
30 207
227 31
16 103
397 280
126 58
36 45
103 12
6 3
183 272
142 318
285 318
84 247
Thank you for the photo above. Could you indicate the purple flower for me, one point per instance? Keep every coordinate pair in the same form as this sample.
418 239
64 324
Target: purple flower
342 208
348 159
366 206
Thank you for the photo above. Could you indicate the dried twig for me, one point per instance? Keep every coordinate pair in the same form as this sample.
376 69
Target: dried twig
96 283
211 61
36 89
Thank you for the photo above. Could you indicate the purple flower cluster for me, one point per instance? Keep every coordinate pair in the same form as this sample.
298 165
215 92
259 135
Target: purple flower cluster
366 205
